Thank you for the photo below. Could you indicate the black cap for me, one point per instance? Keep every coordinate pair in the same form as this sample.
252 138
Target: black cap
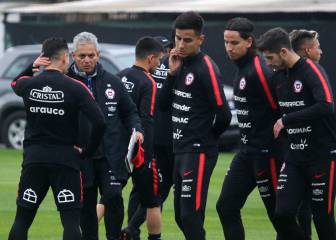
165 42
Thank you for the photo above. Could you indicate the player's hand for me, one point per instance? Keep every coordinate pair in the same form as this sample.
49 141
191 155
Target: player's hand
139 137
175 61
80 150
278 126
40 61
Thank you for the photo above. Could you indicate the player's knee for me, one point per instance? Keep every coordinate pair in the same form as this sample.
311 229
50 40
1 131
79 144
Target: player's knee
225 209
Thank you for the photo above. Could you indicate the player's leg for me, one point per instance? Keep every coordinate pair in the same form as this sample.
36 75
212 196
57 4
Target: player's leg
323 196
266 171
112 199
290 192
67 187
238 184
196 170
33 187
88 216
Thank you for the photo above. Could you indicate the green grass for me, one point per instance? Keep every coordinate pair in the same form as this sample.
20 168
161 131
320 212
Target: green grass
47 224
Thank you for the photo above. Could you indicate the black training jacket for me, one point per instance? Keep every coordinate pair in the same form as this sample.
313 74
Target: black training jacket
200 110
52 103
163 129
142 89
306 102
257 110
120 115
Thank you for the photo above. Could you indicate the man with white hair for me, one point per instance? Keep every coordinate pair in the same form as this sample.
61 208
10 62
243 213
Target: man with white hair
106 168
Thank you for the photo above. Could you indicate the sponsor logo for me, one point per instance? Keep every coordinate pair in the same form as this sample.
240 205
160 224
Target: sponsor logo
262 181
185 195
47 110
307 129
187 180
178 134
245 125
299 146
46 95
184 108
128 85
180 120
186 173
182 94
242 112
292 104
317 199
297 86
186 188
29 195
280 187
263 189
111 108
110 103
244 139
109 93
65 196
318 184
242 84
239 99
317 192
318 176
161 72
189 79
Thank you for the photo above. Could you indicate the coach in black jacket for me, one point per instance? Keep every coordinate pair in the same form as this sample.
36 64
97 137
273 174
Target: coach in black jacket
107 170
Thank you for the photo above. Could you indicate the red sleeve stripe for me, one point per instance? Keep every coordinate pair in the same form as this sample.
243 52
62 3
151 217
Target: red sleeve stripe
87 89
214 82
264 84
201 163
153 93
322 79
13 84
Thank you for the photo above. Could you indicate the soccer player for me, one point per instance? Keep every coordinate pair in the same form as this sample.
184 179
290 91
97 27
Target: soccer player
306 102
163 147
306 44
52 103
106 168
255 165
200 114
142 88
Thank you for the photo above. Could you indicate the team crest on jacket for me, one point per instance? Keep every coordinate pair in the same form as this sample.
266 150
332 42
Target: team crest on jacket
242 84
297 86
109 92
189 79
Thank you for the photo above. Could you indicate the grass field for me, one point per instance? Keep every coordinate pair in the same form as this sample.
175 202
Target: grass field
47 225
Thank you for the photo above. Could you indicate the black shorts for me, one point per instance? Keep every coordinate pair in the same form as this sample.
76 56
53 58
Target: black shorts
146 183
65 182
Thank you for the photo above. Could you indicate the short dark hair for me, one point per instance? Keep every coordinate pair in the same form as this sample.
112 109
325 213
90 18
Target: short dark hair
51 47
147 46
273 40
189 20
242 25
300 37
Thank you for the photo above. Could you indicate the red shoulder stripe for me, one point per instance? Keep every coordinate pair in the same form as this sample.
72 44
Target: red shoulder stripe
322 79
264 84
214 82
13 83
153 92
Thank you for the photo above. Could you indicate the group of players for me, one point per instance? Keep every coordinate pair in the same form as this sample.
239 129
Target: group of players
80 117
